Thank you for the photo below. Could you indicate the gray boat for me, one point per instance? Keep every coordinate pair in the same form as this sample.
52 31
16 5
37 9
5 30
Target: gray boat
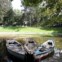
44 50
30 46
15 48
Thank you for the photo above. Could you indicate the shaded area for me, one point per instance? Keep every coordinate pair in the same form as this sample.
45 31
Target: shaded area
57 31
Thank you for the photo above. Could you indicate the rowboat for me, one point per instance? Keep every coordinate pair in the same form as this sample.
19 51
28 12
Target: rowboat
30 46
44 50
15 48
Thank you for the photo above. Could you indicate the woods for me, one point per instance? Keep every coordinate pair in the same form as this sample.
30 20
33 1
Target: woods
36 13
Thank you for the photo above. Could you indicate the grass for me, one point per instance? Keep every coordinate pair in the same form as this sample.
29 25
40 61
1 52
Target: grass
33 30
23 29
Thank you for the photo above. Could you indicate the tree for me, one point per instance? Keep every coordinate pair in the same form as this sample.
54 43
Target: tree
30 9
5 5
30 3
46 12
9 17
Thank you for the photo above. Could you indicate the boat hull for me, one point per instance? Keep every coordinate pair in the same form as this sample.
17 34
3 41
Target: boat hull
15 54
41 56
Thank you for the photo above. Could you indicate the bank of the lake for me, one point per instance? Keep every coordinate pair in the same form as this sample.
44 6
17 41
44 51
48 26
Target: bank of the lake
55 31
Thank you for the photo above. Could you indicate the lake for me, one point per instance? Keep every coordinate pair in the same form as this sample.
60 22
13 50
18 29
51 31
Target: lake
56 57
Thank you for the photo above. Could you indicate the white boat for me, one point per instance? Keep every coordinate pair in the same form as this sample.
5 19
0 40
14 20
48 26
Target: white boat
44 50
15 48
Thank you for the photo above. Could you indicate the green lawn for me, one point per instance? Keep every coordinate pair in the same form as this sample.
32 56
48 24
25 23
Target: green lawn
33 30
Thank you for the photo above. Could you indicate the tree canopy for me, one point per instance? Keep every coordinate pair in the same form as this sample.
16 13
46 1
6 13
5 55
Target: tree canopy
46 12
36 12
31 2
5 5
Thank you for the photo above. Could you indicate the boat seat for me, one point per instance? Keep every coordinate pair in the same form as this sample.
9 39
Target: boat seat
49 43
31 41
18 44
42 49
12 42
15 43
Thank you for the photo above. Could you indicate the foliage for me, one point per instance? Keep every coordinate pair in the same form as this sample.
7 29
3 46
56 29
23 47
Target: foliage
31 2
48 15
9 16
36 13
5 5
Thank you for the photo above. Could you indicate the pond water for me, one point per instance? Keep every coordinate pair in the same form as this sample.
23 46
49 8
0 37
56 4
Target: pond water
56 57
58 41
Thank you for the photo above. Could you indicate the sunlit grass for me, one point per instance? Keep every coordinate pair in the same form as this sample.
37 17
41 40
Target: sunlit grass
24 29
32 30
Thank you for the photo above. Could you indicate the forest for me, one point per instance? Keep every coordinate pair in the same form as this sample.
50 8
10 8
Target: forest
37 13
